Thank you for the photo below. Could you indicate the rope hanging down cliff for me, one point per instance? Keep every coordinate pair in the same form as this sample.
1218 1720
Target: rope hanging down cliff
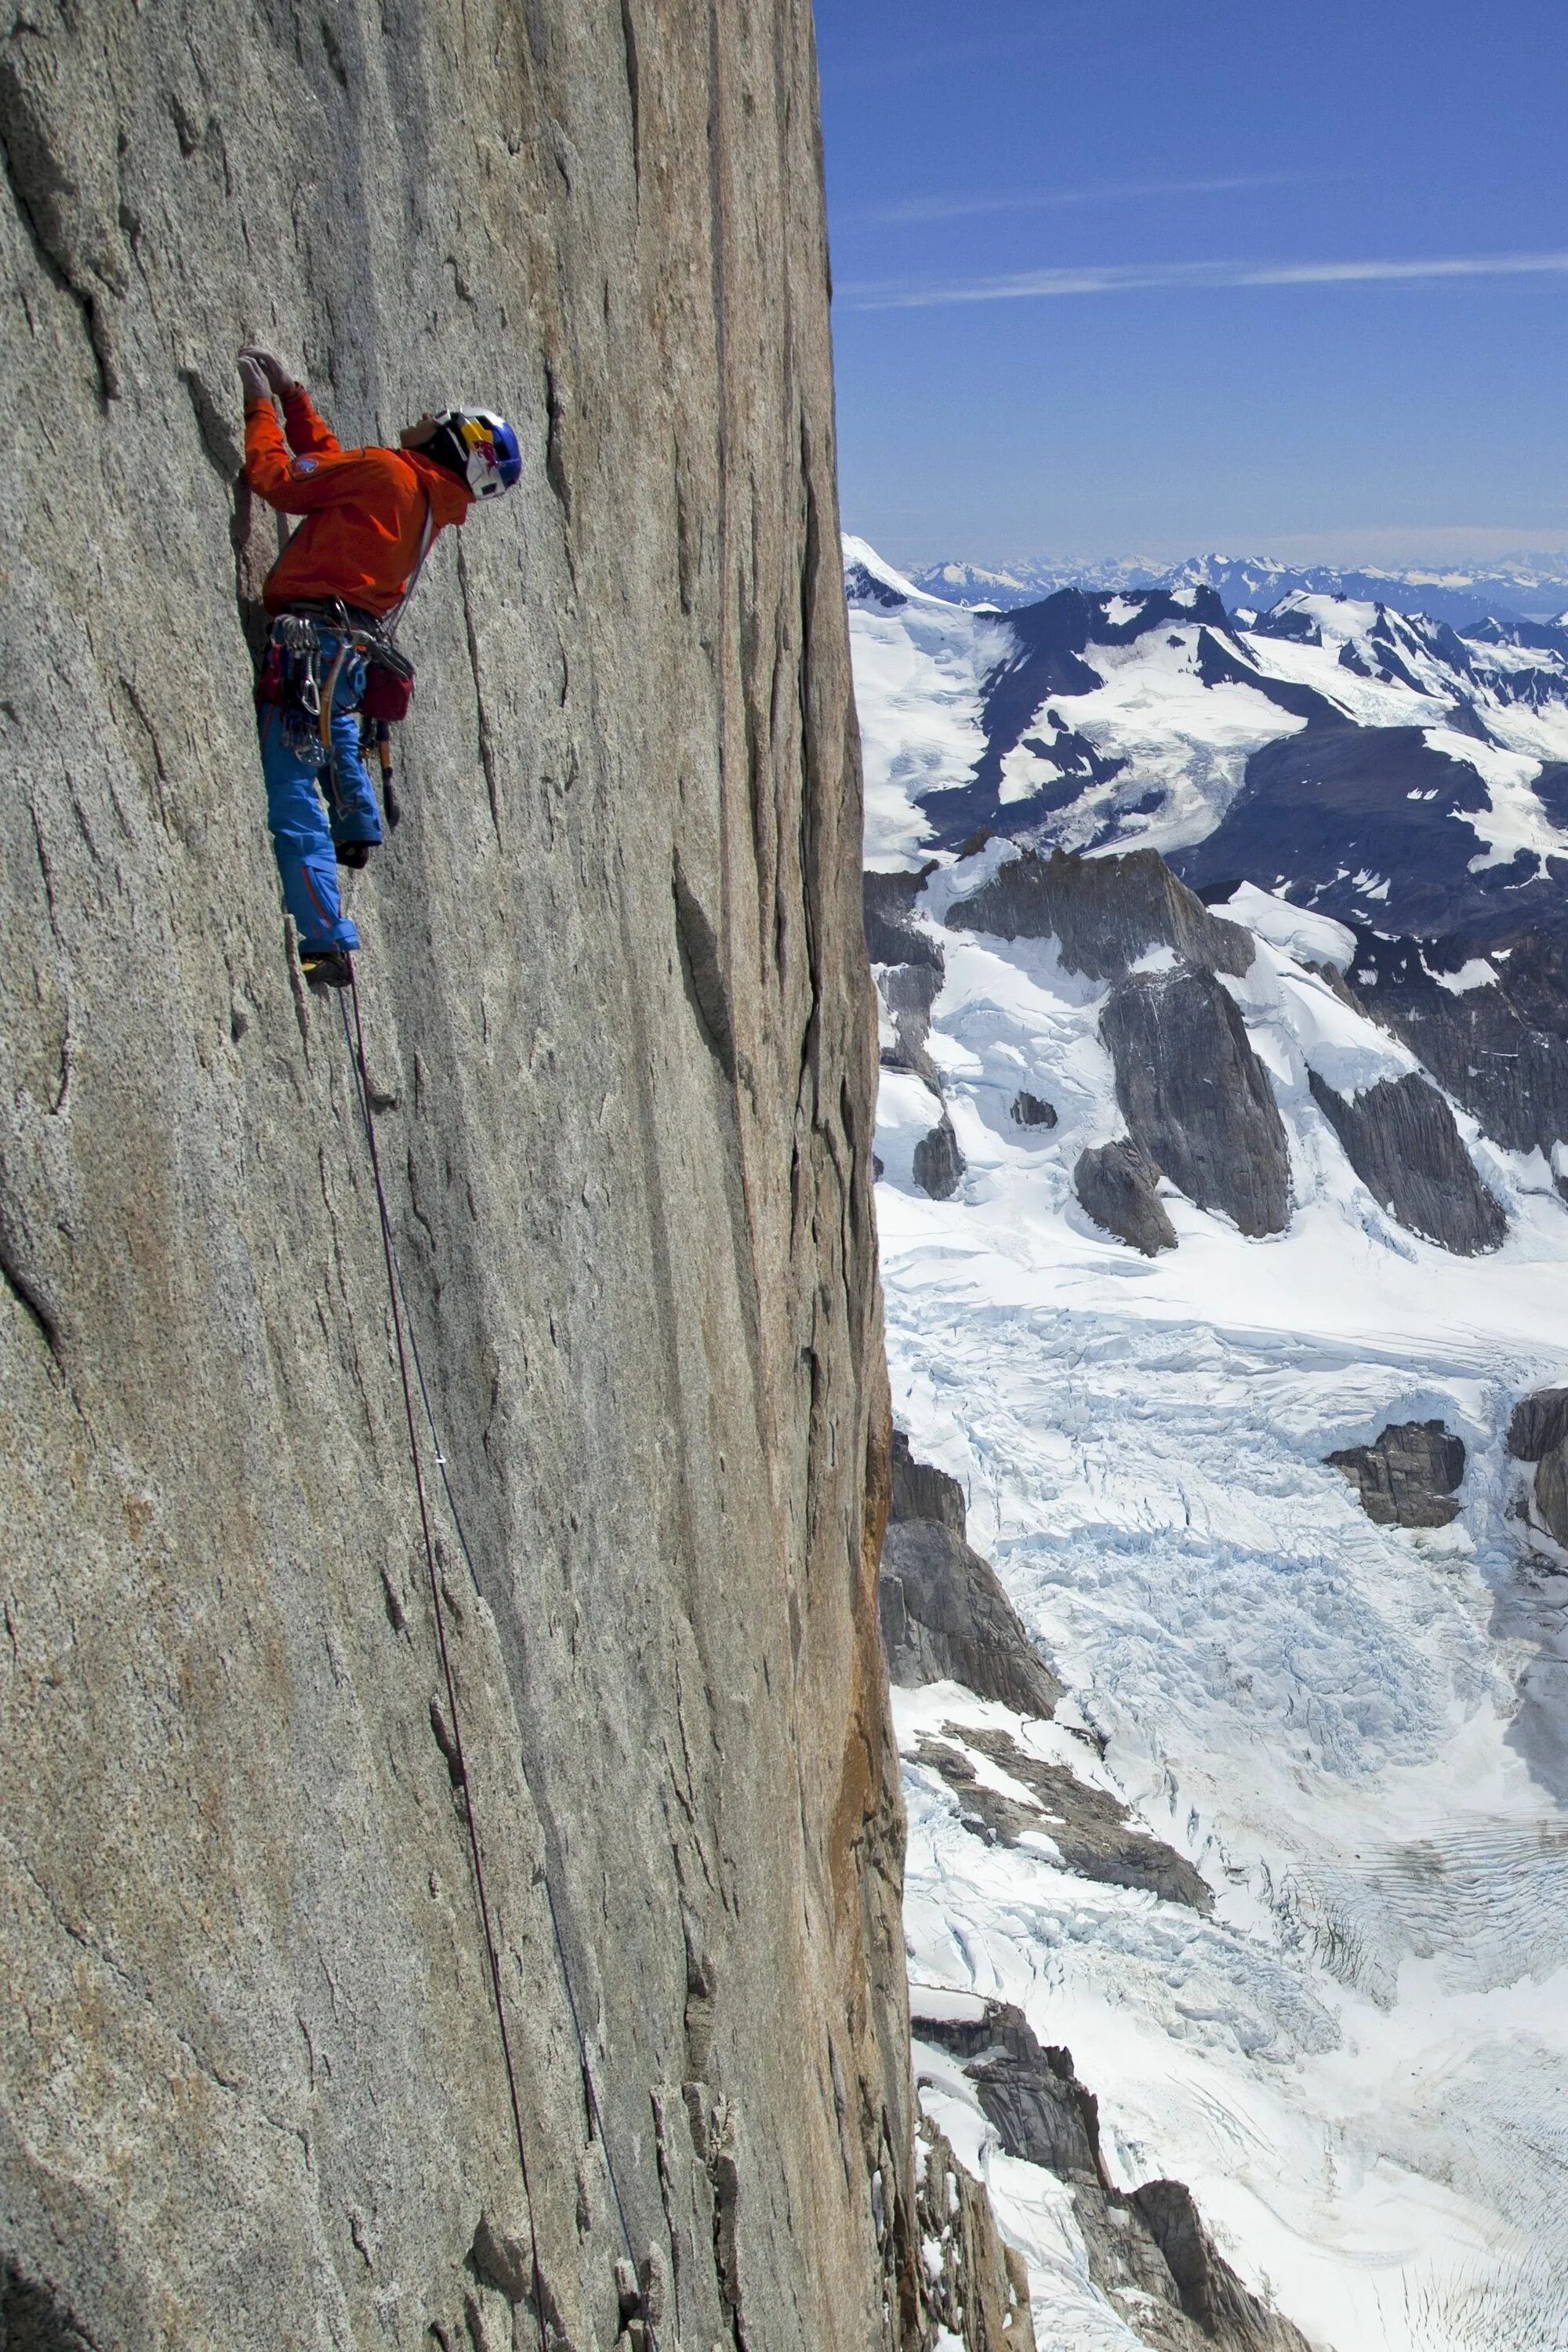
454 1712
406 1343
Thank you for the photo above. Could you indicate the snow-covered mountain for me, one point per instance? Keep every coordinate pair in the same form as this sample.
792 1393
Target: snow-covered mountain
1375 764
1225 1256
1459 596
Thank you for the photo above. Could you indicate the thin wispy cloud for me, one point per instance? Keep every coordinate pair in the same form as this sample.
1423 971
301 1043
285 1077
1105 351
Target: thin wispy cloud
1166 277
913 210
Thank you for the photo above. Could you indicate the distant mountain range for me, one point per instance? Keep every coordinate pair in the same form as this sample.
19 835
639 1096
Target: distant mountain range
1374 765
1528 590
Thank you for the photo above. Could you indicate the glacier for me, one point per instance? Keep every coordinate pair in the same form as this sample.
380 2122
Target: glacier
1358 1734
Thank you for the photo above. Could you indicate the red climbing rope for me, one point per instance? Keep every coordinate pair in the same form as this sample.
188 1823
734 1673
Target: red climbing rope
454 1713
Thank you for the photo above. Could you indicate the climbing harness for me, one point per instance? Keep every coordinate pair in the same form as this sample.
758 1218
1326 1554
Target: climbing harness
308 645
407 1345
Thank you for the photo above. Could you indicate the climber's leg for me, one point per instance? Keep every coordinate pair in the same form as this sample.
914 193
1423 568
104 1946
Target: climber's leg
350 794
302 842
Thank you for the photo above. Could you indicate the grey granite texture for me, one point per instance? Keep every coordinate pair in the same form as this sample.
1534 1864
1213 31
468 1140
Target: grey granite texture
622 1048
1401 1139
1105 911
1407 1476
1118 1186
1196 1099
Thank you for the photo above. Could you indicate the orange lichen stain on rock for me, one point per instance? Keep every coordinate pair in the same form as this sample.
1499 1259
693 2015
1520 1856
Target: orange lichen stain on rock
140 1511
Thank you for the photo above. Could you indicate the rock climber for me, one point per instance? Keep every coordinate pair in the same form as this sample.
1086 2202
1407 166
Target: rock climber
370 516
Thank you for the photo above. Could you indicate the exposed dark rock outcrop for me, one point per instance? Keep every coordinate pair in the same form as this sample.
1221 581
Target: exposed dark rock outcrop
887 904
1149 2253
946 1616
920 1491
909 974
972 2284
1551 1491
1195 1098
1407 1477
619 1034
909 991
1401 1139
1095 1831
1118 1186
1501 1048
1538 1423
1105 911
1336 811
1029 1110
1538 1433
938 1162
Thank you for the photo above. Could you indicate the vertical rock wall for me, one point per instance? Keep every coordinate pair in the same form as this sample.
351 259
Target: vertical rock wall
620 1042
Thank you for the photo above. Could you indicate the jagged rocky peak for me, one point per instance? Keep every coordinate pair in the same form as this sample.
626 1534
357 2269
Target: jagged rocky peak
1107 912
1148 2251
1400 1137
1197 1101
1407 1477
1487 1015
944 1614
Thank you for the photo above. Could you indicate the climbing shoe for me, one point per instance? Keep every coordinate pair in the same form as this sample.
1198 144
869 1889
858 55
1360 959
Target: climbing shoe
327 968
355 853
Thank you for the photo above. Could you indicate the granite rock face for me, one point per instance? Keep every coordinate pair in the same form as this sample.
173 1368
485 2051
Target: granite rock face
1031 1110
944 1614
1538 1433
621 1047
1106 911
1401 1139
1197 1099
1407 1477
974 2286
1119 1187
938 1164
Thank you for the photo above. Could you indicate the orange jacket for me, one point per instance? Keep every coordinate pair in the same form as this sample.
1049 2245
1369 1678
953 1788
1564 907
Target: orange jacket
364 509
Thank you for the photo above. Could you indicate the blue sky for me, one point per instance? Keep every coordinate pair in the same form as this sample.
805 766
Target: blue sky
1123 276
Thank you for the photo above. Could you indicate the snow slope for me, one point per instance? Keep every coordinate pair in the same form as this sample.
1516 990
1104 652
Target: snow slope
1360 2063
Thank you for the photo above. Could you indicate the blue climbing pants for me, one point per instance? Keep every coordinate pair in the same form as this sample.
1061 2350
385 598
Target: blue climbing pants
304 832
